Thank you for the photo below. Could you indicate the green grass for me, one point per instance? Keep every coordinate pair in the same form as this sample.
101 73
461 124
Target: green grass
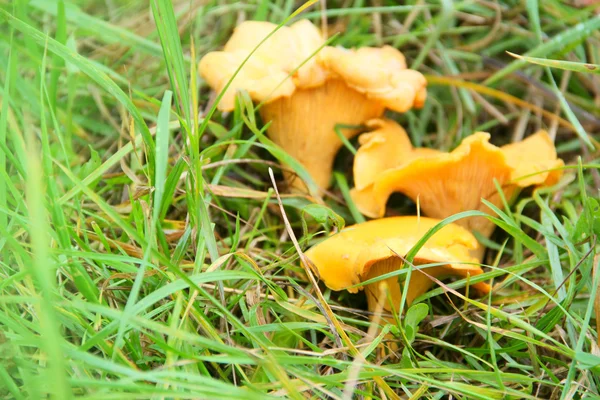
143 253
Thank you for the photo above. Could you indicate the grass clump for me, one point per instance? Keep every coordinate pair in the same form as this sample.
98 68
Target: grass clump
143 253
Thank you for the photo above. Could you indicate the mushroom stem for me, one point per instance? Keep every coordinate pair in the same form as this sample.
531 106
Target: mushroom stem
419 282
303 124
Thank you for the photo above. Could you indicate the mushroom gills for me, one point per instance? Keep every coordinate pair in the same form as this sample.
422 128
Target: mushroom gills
304 125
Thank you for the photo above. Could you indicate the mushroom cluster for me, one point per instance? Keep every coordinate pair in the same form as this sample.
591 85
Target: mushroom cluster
444 184
308 88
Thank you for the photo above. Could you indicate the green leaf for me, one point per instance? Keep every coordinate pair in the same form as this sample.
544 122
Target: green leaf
405 361
587 360
414 316
324 215
560 64
90 165
594 209
588 222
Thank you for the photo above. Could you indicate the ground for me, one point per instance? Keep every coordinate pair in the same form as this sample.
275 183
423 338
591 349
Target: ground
143 253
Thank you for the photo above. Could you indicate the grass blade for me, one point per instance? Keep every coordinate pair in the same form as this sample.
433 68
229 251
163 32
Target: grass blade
560 64
90 69
162 148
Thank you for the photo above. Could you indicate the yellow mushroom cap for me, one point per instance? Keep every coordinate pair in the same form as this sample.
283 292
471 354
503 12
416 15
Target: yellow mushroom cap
379 73
259 78
449 183
348 258
265 74
533 161
381 149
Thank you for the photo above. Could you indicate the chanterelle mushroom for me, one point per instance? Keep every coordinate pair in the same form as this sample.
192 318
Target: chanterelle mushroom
448 183
368 250
306 95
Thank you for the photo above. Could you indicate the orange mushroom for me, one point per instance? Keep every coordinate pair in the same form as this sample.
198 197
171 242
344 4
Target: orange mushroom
306 95
448 183
365 251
